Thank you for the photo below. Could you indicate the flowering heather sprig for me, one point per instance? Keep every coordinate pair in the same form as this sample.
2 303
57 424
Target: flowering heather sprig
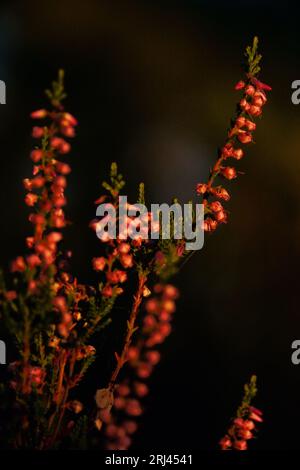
39 270
240 132
243 426
53 316
142 357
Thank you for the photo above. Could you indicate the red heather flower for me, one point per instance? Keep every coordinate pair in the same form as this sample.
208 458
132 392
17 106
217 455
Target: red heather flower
121 275
169 306
250 125
254 110
245 137
240 121
144 370
38 182
240 85
126 260
70 119
33 260
260 85
68 131
238 154
153 357
10 295
99 263
209 225
245 434
39 114
141 389
37 132
240 445
244 104
54 237
225 443
114 277
171 291
36 155
216 206
250 90
221 216
133 408
124 248
248 424
18 265
229 172
133 353
31 199
255 414
60 303
201 188
221 193
227 150
151 306
63 168
123 390
107 291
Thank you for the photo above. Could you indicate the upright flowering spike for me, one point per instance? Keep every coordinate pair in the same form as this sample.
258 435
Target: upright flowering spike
251 103
243 427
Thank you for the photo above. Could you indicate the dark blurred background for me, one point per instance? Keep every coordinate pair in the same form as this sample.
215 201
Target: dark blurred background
151 83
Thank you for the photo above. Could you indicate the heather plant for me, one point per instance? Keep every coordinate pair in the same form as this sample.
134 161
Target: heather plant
53 319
